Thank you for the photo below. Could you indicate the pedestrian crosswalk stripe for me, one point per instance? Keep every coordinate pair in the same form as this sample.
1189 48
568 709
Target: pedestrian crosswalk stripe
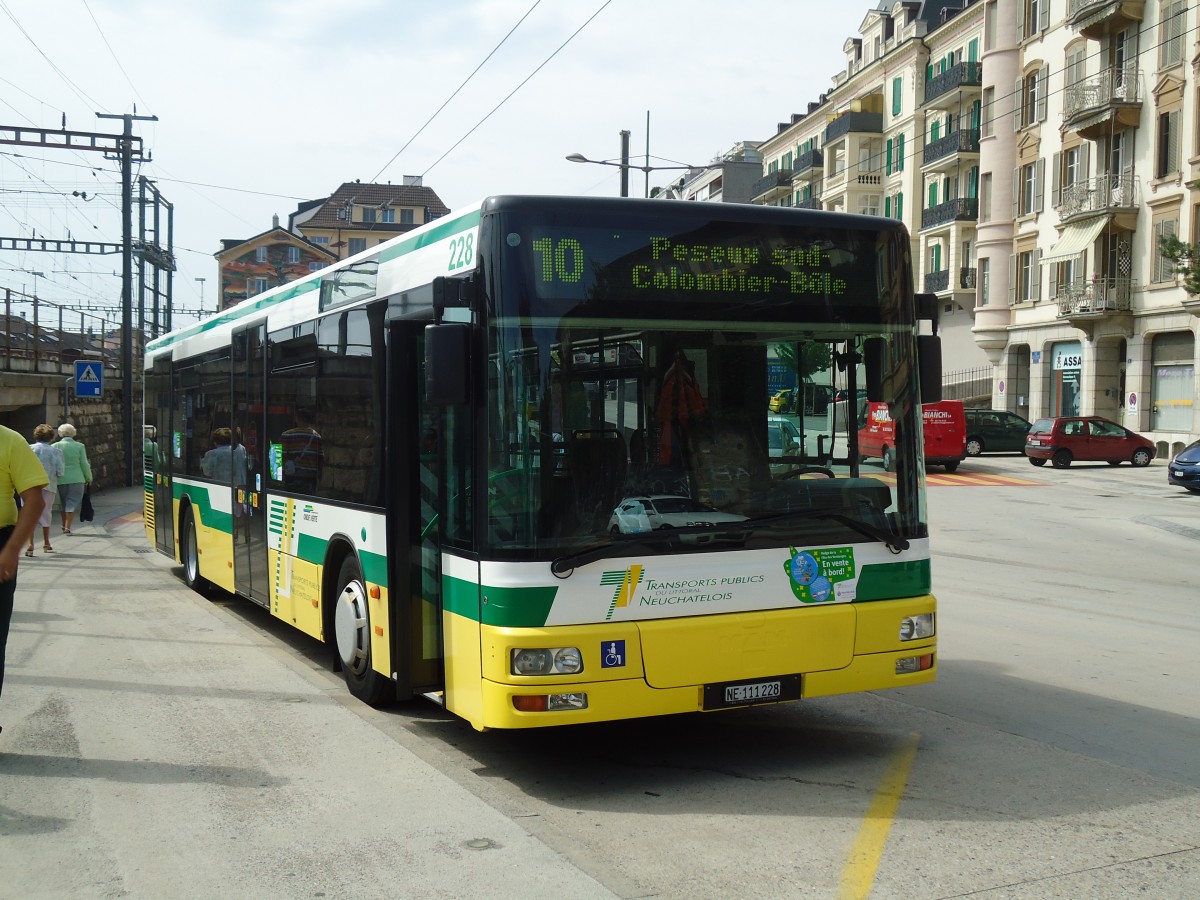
961 479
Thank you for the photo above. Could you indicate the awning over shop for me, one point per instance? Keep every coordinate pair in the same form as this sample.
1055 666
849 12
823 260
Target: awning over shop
1075 238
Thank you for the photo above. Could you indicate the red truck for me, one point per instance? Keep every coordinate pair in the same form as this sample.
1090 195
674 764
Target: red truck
945 434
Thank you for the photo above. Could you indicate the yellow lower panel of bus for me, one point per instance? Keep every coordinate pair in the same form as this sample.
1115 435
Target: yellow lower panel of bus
295 587
215 551
461 644
818 643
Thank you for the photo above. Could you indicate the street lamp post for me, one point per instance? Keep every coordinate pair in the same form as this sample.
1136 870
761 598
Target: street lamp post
625 165
201 283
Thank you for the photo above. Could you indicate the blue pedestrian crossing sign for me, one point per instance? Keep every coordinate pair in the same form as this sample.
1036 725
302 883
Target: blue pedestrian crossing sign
89 379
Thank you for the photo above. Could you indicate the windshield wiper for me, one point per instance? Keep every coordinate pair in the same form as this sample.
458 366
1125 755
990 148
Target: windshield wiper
893 541
620 543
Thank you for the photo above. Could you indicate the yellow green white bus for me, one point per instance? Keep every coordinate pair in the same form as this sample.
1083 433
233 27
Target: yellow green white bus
515 460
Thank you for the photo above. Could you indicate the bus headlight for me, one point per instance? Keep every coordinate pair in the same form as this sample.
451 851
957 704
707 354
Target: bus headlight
914 628
547 661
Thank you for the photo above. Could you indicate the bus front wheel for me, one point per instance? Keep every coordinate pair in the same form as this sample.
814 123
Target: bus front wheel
352 636
189 551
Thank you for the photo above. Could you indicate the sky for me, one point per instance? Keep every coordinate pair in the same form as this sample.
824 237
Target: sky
262 104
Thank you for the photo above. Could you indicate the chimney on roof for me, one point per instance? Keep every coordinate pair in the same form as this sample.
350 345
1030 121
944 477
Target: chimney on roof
412 181
275 220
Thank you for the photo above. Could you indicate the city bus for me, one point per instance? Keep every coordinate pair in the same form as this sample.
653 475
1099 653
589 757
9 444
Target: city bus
515 460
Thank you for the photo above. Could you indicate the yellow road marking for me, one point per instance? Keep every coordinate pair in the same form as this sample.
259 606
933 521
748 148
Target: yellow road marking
858 876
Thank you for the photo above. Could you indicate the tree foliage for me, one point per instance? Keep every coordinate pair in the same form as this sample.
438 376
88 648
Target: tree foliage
815 356
1185 258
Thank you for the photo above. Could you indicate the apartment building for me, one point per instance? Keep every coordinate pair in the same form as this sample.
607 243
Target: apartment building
1037 150
898 135
1091 119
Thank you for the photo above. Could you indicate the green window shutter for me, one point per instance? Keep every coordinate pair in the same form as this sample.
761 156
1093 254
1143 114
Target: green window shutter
887 207
897 97
900 152
900 205
887 166
932 196
937 257
935 131
973 50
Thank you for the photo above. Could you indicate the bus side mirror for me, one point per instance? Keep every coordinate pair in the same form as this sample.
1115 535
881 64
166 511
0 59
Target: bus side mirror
873 354
446 363
929 362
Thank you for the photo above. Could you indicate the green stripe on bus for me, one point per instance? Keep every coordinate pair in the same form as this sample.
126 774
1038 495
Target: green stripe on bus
461 598
526 607
439 232
209 517
887 581
240 311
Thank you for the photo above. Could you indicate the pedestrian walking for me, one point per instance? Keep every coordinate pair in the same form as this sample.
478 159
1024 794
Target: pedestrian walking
20 474
77 477
51 459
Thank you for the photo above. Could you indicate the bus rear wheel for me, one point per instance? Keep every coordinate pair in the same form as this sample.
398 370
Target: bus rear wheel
189 551
352 636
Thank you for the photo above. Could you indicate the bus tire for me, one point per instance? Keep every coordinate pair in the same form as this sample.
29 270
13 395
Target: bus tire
352 636
889 460
189 554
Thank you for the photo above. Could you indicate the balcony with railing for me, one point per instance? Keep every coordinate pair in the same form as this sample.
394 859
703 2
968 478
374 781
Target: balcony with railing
960 75
1112 98
939 282
853 123
808 162
1100 196
1084 300
964 140
960 209
809 203
1095 18
772 186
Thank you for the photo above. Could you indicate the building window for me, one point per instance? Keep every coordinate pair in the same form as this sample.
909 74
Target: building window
1172 387
357 245
1076 61
406 217
368 214
989 103
1029 280
985 197
897 95
1166 161
985 281
1170 32
315 266
255 286
1164 269
293 254
387 215
321 239
1033 16
1027 188
868 204
1032 92
260 254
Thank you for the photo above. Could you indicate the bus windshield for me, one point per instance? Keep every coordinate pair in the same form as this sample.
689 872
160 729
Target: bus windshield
601 433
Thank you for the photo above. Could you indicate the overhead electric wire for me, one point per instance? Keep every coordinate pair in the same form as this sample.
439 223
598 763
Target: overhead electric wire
456 90
128 80
603 6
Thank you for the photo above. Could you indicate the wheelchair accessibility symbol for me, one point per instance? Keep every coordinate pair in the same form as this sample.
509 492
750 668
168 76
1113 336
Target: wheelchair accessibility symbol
612 654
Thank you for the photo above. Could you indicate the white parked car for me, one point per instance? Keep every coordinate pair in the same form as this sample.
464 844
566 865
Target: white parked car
663 511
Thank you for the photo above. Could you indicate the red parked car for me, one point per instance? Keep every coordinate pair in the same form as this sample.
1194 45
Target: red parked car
1085 439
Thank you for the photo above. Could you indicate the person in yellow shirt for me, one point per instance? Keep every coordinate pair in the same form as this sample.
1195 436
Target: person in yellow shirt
20 473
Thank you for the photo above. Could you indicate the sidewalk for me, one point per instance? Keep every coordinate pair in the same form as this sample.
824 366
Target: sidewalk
158 744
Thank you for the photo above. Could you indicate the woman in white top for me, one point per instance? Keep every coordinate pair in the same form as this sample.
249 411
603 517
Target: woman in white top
51 459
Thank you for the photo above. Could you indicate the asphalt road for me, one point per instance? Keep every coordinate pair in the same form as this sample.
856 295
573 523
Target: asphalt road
158 744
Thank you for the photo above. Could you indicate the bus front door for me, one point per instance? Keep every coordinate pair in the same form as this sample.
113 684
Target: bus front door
249 510
414 495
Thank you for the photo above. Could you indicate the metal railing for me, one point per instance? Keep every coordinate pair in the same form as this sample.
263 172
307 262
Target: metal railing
960 208
865 122
1109 87
967 384
772 180
964 140
807 160
1098 296
39 336
937 281
963 74
1098 195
